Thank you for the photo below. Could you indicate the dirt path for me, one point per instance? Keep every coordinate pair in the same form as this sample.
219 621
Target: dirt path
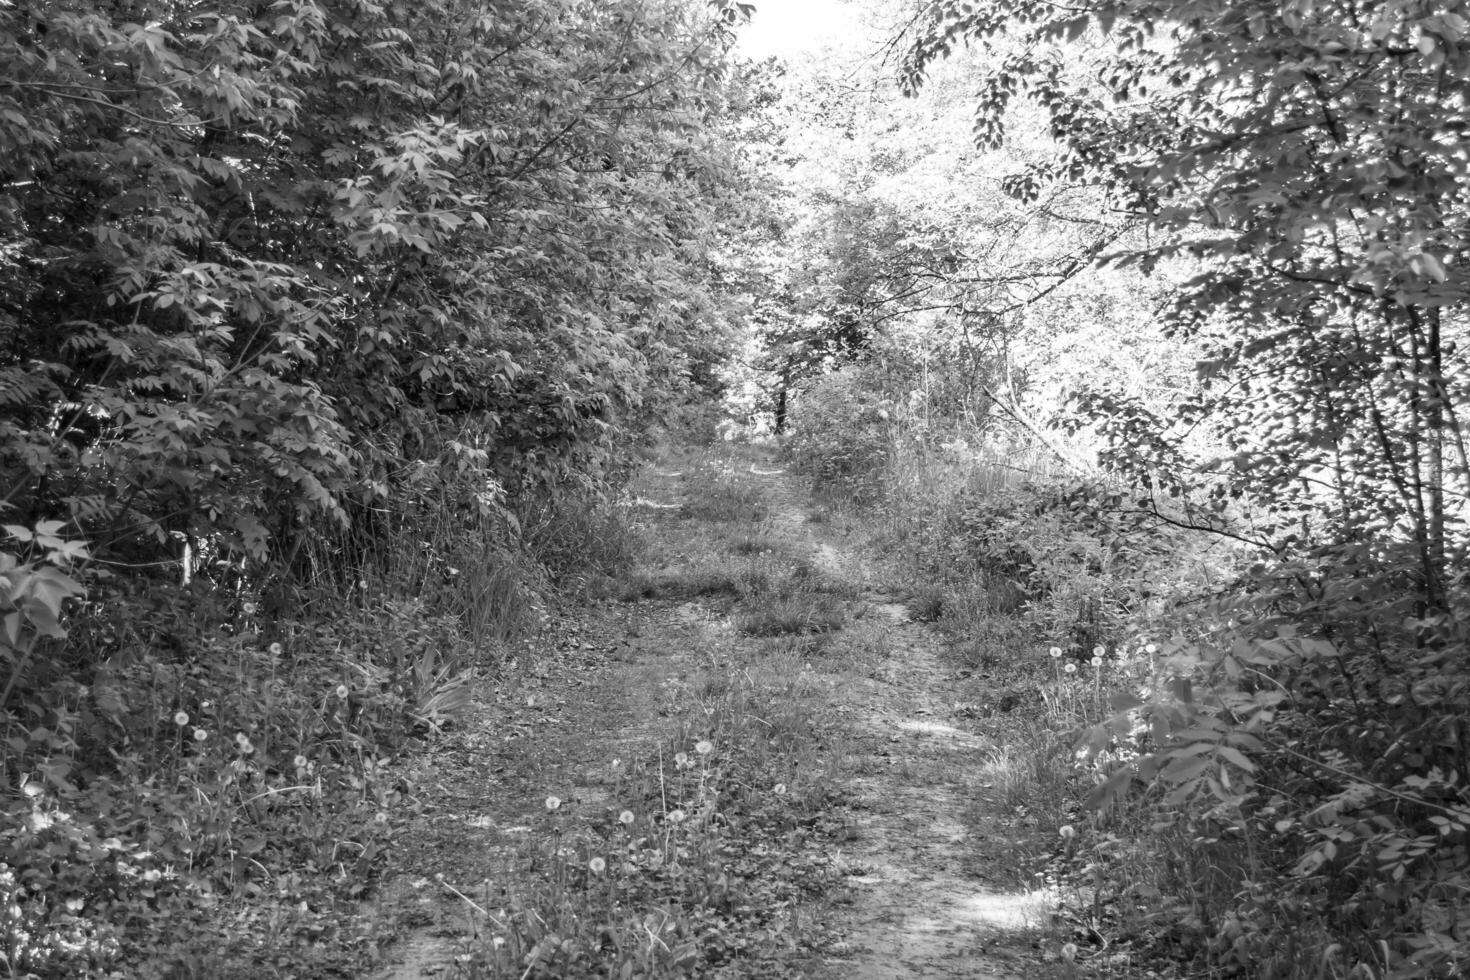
905 892
920 905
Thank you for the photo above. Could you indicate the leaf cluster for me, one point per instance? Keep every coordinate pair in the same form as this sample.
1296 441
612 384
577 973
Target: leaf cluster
1307 158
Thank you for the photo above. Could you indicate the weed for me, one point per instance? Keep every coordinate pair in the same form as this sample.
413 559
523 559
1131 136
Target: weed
927 604
794 615
755 544
260 764
714 491
208 752
688 583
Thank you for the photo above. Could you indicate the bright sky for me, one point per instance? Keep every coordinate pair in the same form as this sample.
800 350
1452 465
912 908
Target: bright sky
787 28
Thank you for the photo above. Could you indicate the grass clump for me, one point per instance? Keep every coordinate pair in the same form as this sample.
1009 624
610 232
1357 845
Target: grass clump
755 543
689 583
791 616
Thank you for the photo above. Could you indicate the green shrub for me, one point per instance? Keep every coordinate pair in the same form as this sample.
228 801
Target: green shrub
1071 555
840 436
1310 732
695 424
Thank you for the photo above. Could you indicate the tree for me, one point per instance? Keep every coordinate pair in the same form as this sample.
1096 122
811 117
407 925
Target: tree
1310 158
1307 155
893 243
261 264
320 322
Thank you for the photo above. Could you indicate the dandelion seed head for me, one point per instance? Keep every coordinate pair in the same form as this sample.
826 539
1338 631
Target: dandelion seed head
1069 952
681 759
553 803
1067 831
1098 651
275 649
300 761
181 718
1097 661
342 691
249 608
676 816
1056 652
704 747
1151 648
626 818
597 866
1070 668
380 817
779 789
200 734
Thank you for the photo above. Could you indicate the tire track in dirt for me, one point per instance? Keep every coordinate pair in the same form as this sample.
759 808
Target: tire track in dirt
918 906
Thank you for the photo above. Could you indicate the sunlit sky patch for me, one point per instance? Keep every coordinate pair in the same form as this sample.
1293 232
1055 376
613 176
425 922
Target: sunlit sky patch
787 28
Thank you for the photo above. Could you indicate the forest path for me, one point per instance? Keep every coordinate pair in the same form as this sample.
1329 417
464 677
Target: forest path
923 904
868 867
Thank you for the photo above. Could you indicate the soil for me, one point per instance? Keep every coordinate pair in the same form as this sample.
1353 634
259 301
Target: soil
927 890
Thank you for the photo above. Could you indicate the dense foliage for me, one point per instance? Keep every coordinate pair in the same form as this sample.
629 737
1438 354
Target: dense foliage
308 307
260 264
1309 156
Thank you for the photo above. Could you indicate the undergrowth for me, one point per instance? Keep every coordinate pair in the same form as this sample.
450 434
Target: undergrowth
1219 765
202 780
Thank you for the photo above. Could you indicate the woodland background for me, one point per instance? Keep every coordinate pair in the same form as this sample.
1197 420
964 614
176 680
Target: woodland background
330 332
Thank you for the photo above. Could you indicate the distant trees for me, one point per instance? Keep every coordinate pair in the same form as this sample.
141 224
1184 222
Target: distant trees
892 242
